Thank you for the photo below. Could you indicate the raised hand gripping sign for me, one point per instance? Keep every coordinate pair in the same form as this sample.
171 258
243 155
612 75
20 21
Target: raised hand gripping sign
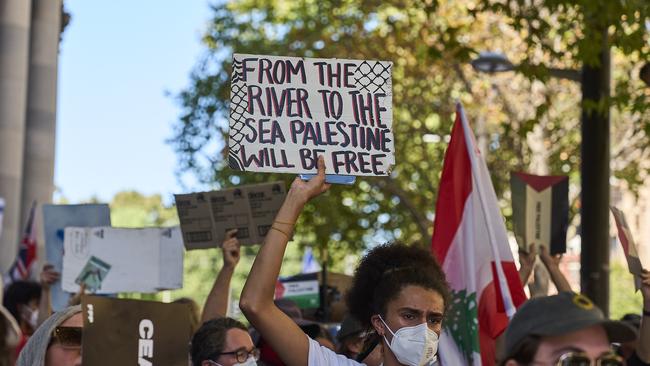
286 111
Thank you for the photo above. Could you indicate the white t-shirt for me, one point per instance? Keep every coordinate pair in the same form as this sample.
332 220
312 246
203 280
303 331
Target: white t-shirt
323 356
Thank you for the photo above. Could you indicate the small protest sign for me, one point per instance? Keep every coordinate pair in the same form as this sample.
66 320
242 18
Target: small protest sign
635 259
286 111
540 210
110 260
93 274
206 216
134 332
55 219
305 293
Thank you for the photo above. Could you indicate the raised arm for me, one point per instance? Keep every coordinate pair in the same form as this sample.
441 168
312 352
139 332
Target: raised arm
216 305
284 336
526 262
552 263
47 278
643 343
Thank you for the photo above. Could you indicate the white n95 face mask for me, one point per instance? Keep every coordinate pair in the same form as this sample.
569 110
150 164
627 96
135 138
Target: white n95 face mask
414 346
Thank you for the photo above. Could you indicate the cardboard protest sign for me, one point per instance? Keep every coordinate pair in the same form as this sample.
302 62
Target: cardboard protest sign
55 219
633 254
286 111
110 260
206 216
134 332
540 210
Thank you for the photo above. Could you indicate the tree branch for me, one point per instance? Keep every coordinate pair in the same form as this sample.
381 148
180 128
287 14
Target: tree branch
388 185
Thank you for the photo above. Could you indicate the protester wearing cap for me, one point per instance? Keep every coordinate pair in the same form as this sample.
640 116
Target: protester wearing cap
57 342
564 329
350 337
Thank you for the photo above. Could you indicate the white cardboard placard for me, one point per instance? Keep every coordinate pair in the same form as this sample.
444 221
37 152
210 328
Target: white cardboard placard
139 260
286 111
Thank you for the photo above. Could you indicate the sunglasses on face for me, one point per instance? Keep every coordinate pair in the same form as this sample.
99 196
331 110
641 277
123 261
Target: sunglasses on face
241 355
581 359
67 337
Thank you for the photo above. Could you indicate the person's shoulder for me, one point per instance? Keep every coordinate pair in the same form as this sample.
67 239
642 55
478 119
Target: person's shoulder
322 356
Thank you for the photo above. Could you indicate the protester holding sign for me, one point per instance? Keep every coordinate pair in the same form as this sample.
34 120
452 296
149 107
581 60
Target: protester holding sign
399 291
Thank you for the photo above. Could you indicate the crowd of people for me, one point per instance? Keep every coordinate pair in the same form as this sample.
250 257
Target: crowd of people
397 308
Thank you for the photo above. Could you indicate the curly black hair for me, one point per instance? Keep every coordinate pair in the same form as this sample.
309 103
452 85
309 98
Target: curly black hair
208 342
385 271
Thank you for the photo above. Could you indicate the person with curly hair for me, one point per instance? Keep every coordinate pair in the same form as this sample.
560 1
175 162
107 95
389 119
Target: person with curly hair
398 291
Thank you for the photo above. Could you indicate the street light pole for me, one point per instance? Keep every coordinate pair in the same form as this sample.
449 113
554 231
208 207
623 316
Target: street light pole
595 173
594 167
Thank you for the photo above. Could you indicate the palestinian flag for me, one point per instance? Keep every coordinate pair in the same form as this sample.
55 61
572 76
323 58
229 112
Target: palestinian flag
469 239
629 246
540 210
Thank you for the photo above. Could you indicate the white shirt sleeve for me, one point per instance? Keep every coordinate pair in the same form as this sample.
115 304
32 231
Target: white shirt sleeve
322 356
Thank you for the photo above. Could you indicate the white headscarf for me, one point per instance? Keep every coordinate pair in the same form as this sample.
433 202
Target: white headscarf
33 354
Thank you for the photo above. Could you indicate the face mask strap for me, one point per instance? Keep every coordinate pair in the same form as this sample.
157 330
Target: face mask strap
386 325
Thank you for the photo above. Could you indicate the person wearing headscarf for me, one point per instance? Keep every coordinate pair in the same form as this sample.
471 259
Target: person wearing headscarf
57 342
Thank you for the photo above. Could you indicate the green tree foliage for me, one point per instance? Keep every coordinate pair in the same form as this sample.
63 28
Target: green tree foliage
624 299
522 121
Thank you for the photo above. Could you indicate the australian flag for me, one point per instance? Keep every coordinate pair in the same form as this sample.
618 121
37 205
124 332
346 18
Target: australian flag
21 268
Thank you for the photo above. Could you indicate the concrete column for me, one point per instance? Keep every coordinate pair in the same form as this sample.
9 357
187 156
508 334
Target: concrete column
15 16
40 135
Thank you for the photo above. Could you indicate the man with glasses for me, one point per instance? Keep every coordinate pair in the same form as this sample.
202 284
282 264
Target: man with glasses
565 329
223 342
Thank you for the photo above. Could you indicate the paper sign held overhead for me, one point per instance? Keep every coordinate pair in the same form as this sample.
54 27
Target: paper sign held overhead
206 216
540 210
110 260
286 111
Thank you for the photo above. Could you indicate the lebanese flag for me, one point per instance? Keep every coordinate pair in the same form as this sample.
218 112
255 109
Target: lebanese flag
469 239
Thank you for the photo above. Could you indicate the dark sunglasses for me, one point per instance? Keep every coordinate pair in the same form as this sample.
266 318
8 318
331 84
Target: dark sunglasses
67 337
581 359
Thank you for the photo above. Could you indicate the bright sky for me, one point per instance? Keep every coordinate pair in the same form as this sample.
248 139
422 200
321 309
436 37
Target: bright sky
117 60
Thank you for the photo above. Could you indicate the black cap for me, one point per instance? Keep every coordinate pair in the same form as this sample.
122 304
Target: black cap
563 313
350 326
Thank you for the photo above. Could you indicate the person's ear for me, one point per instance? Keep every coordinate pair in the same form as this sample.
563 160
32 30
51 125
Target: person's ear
377 324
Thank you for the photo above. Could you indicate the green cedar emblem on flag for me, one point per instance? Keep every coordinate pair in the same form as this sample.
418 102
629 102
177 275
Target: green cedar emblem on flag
462 322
